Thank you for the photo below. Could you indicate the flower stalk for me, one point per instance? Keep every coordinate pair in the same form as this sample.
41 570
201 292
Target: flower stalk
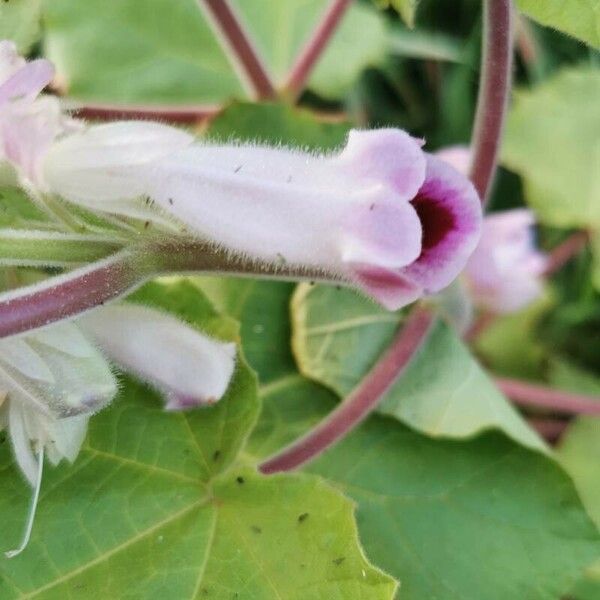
312 51
493 96
494 89
244 55
529 394
356 407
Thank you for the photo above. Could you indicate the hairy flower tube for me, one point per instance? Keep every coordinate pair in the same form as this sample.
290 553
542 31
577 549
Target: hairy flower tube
380 214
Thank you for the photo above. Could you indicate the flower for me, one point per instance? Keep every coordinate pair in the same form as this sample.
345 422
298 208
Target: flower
51 381
504 274
381 213
28 124
188 367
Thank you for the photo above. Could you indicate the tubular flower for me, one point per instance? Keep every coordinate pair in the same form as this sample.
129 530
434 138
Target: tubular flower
380 214
189 368
504 274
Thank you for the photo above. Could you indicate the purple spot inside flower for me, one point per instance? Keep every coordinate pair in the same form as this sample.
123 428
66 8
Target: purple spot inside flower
436 219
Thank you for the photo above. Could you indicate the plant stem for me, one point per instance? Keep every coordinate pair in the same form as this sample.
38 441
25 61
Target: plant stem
67 295
494 89
72 293
312 51
529 394
357 406
565 251
172 114
241 50
490 116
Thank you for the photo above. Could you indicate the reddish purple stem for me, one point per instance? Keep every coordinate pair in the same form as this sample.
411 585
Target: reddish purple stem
492 101
313 49
172 114
529 394
494 86
68 295
242 50
357 406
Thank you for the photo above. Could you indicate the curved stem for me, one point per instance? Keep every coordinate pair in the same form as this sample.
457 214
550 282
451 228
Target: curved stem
313 49
494 89
243 53
529 394
357 406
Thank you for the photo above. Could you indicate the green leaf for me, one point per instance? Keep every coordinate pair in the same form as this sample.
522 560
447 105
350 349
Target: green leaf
20 22
579 18
509 346
220 431
338 336
553 141
596 260
469 520
262 307
156 504
157 51
425 45
136 517
579 453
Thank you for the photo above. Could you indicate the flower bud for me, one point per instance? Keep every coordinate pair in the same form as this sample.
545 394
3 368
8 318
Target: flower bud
188 367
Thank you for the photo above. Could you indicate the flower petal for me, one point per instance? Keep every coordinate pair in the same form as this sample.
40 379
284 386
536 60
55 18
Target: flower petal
385 156
504 273
27 82
450 214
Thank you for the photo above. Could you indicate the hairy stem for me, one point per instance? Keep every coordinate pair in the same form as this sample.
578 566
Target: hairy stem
244 55
529 394
494 89
72 293
357 406
68 295
312 51
171 114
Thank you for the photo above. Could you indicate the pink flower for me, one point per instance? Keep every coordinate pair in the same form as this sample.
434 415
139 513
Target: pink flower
189 368
381 214
28 124
504 274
